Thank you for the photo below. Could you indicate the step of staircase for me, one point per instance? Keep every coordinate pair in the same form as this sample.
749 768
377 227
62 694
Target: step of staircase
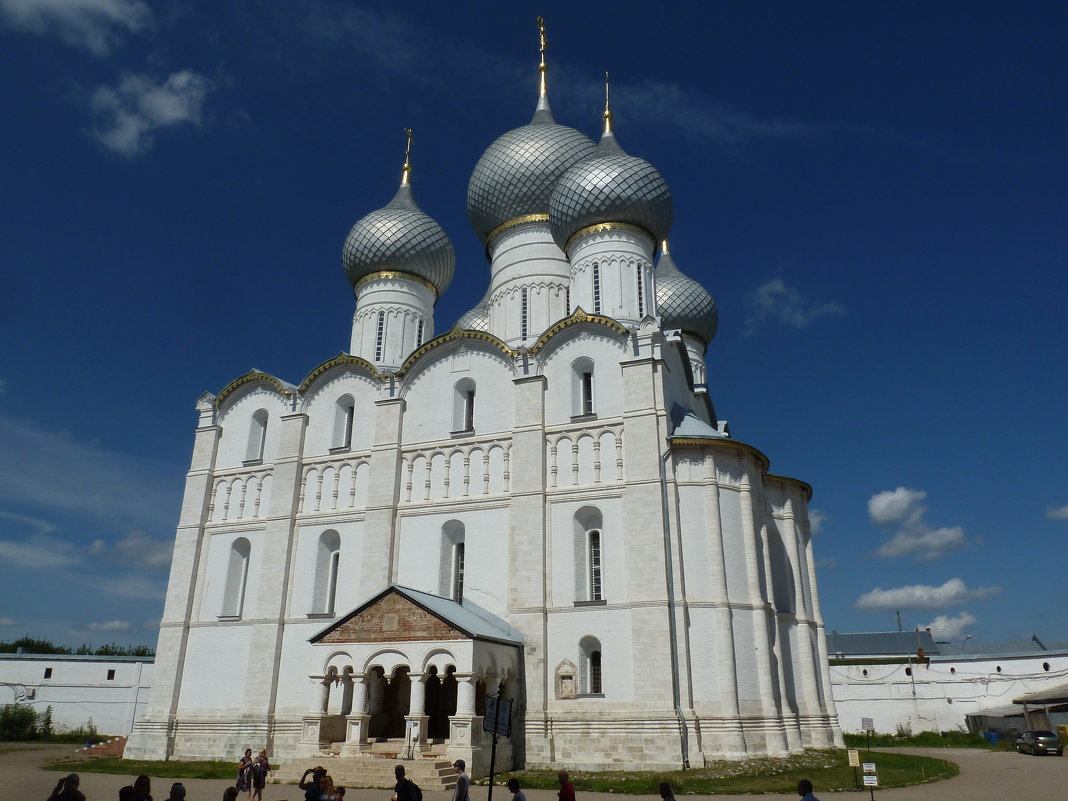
109 748
373 770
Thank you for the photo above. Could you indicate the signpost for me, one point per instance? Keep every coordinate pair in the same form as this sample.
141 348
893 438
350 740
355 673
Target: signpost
871 778
854 762
497 721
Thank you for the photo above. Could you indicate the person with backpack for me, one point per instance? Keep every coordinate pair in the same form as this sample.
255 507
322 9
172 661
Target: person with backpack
406 789
261 766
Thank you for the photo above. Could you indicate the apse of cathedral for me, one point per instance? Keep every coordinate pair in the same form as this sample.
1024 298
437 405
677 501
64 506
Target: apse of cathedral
538 505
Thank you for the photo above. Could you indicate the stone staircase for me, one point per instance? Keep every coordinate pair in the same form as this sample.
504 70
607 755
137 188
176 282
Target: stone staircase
372 771
108 748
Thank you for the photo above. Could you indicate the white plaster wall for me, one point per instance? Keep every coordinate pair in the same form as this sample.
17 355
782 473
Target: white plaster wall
733 544
701 574
612 627
218 559
79 690
486 563
213 683
349 592
429 393
938 697
235 420
321 407
562 550
297 693
605 350
618 254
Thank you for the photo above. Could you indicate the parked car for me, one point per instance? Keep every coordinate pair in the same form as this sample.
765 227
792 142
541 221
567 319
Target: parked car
1039 741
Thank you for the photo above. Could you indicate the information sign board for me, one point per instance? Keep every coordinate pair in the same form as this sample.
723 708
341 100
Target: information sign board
871 780
869 767
867 724
854 758
498 718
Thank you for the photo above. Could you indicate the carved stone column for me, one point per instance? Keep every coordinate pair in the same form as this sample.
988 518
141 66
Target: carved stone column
416 720
464 732
357 721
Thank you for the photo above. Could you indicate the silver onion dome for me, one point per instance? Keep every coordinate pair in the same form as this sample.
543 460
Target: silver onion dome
400 238
610 186
516 174
682 302
476 319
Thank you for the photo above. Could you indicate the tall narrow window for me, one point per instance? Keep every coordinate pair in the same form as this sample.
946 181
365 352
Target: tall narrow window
327 568
590 674
596 288
463 415
344 412
257 436
641 291
469 411
458 572
419 334
378 336
595 673
236 578
594 546
524 311
567 299
582 388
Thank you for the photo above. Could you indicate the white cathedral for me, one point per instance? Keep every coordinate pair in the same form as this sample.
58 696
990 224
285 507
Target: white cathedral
541 502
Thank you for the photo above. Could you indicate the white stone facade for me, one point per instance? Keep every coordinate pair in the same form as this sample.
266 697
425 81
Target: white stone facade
560 471
110 691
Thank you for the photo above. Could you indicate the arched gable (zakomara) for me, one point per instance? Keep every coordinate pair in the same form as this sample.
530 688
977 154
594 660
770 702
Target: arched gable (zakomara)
440 658
473 373
249 410
585 347
388 660
338 397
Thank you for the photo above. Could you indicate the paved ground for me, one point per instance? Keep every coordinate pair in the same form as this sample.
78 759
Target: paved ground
984 775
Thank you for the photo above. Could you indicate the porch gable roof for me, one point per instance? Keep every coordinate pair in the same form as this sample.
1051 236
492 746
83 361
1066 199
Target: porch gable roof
435 618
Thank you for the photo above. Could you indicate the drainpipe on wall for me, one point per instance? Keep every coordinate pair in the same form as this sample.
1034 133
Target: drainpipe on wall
684 737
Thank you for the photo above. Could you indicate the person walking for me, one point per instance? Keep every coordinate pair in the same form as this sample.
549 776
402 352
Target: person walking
567 789
67 789
513 788
463 782
244 770
177 792
666 792
140 790
405 788
261 767
804 789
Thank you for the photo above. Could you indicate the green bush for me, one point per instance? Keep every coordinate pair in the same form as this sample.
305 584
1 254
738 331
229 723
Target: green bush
18 722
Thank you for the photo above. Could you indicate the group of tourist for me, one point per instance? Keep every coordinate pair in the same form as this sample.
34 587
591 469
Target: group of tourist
317 785
252 774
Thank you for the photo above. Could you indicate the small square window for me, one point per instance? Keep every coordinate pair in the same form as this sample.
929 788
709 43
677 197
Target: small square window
111 675
48 673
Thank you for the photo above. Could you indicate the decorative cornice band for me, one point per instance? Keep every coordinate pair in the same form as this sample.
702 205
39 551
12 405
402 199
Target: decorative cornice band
387 275
603 227
337 361
452 336
579 316
786 479
724 443
248 378
526 218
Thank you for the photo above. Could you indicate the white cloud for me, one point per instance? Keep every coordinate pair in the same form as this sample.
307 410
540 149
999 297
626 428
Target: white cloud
893 506
6 621
128 586
38 552
1058 513
903 507
135 548
139 106
42 526
774 301
96 25
829 562
816 519
110 625
950 629
94 482
151 625
922 596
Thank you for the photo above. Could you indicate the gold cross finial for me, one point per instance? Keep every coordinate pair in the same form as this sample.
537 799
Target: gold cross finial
543 67
607 107
407 158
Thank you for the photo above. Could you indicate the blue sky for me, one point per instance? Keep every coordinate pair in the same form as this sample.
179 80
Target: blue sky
875 194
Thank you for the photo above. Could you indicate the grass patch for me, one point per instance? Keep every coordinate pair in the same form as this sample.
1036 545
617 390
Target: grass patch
171 769
827 769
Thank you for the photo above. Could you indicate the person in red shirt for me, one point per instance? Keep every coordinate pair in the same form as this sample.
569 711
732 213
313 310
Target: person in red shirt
567 789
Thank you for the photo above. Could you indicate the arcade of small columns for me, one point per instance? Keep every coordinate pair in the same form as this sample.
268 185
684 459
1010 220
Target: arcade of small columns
438 706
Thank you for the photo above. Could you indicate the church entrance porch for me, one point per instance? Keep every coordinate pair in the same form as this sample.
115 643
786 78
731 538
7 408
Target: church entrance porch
406 675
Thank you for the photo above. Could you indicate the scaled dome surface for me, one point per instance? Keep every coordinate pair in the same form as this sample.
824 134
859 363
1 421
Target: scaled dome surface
683 303
610 186
399 238
517 173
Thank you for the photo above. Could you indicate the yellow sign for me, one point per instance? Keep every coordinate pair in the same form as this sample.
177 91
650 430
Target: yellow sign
854 758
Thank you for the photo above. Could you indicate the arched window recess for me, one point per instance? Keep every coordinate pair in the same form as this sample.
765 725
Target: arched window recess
236 579
582 389
257 437
591 679
344 414
463 408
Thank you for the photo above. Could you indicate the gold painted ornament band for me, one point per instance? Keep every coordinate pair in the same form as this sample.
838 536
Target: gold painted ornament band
392 275
603 227
526 218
